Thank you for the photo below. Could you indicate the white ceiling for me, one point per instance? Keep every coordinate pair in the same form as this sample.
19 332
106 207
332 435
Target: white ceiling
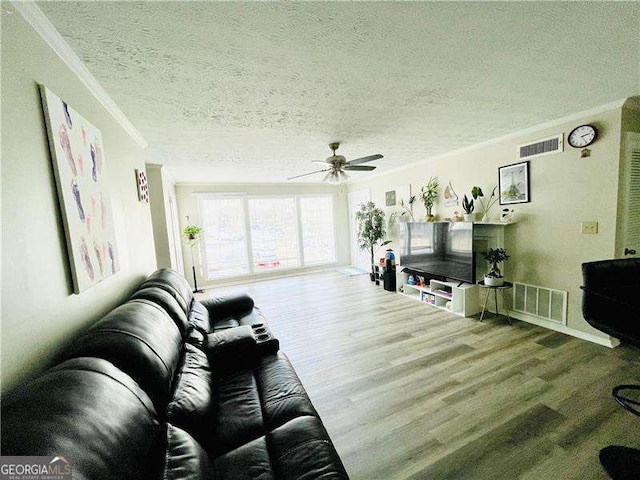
254 91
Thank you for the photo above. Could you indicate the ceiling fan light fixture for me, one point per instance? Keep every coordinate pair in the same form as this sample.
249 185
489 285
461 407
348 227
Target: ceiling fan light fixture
333 178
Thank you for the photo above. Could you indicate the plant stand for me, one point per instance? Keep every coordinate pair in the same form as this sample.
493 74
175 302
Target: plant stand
193 269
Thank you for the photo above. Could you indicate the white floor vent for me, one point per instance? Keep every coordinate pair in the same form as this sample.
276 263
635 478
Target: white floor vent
540 302
546 146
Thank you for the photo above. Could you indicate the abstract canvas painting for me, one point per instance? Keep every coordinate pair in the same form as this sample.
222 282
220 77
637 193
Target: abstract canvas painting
79 165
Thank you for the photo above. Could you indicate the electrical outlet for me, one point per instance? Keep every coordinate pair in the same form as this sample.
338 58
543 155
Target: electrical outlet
589 228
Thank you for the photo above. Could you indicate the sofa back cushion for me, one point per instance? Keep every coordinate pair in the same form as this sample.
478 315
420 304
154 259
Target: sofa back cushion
167 302
191 406
90 412
173 283
185 458
142 340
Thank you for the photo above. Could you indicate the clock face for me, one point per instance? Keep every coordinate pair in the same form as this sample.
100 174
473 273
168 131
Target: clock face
582 136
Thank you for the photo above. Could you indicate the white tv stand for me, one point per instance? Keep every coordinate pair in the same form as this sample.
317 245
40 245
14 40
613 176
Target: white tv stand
460 299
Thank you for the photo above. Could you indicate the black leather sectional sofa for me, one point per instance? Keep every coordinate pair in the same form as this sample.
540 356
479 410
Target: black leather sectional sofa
167 387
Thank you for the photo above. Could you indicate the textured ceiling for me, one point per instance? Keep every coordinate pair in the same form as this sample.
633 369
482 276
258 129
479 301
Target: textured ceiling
254 91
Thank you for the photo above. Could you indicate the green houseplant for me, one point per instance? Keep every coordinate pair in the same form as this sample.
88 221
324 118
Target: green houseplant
191 233
468 207
429 195
405 213
477 194
371 231
494 277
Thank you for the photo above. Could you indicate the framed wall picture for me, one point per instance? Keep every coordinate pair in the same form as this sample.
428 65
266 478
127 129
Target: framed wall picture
513 183
390 198
84 195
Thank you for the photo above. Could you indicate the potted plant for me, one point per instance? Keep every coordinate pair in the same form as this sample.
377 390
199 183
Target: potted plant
494 277
371 231
405 214
191 233
477 194
429 196
468 207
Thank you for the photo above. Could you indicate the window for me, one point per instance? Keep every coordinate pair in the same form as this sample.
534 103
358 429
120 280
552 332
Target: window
244 235
274 233
225 241
318 241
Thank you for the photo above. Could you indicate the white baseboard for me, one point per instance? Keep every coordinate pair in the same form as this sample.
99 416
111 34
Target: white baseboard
558 327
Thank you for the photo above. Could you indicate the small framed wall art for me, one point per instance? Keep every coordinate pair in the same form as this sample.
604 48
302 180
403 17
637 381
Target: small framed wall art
143 186
390 198
513 183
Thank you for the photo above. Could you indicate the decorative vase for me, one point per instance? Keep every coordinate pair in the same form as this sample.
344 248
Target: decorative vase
431 218
469 217
485 218
493 281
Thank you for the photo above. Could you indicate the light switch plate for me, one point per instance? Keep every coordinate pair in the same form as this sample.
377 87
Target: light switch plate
589 228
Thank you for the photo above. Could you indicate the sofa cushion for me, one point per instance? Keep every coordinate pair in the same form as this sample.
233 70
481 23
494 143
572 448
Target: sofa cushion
140 339
199 317
282 394
247 462
185 459
191 406
173 283
301 449
90 412
167 302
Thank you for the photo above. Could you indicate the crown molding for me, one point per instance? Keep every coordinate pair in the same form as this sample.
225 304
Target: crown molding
43 26
509 136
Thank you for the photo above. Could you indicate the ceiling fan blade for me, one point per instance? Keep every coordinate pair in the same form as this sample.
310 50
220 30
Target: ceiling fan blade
359 168
310 173
364 159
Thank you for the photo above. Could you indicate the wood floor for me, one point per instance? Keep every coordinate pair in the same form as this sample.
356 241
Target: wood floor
407 391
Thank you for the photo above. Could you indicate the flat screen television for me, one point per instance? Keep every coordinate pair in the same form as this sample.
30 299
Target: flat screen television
442 250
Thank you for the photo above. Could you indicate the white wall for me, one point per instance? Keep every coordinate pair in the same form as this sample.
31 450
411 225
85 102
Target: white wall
39 312
188 206
546 245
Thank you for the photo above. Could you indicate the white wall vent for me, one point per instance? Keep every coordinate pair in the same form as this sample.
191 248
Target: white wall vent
546 146
540 302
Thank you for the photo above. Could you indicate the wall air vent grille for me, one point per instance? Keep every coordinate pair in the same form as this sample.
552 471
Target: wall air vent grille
540 302
546 146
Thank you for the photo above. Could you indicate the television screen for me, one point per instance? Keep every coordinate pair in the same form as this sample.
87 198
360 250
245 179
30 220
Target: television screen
439 249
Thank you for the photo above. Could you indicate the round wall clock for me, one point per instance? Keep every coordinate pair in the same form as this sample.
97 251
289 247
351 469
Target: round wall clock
582 136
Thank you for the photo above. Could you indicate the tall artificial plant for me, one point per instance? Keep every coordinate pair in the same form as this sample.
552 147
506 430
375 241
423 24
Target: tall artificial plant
371 230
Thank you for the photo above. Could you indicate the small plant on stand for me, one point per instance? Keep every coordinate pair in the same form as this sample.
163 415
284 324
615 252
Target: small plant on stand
429 194
494 277
192 235
371 231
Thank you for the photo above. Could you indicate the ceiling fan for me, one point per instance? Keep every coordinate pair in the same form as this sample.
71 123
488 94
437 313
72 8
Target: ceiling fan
336 165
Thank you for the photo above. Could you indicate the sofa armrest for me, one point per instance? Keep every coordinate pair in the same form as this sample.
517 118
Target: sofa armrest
230 306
